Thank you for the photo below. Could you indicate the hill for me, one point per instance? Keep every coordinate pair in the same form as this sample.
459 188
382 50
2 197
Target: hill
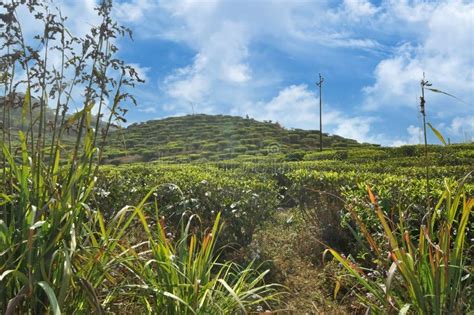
11 120
213 137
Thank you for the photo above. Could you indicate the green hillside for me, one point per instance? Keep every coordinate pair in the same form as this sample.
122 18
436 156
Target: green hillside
214 137
11 120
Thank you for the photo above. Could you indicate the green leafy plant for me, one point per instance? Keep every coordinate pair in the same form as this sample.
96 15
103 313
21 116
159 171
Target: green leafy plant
243 200
425 273
184 276
44 216
58 252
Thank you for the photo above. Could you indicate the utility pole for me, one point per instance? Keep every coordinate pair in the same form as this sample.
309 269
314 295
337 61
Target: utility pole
422 109
320 85
424 83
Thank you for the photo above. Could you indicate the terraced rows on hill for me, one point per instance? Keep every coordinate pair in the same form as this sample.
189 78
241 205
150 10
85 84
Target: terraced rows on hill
213 137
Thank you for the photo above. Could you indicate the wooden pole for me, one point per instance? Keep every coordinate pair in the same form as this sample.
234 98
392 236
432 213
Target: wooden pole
423 113
320 85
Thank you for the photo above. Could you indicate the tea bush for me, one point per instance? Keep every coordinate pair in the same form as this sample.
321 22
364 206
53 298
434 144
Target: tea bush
245 201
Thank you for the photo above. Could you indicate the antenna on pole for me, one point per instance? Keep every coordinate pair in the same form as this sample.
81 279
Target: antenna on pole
320 85
192 107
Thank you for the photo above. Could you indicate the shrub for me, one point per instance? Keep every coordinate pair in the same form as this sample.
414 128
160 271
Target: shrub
406 150
185 277
295 156
341 155
244 201
58 253
425 272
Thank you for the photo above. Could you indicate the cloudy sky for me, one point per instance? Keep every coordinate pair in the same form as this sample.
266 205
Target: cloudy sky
262 58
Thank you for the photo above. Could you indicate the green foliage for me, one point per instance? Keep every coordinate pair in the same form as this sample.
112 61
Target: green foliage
341 155
44 213
425 272
221 137
244 200
185 277
295 156
407 150
58 252
68 245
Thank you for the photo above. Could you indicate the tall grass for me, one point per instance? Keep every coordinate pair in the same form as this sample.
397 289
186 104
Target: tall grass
425 273
186 277
47 181
56 253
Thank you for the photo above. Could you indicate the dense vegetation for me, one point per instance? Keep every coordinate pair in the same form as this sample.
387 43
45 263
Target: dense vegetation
213 138
281 213
248 216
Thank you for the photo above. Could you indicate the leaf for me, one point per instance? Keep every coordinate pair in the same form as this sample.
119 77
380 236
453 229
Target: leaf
404 309
371 196
75 117
51 296
3 77
442 92
174 297
19 275
91 295
391 273
37 225
4 199
437 133
357 274
232 292
337 287
26 103
13 303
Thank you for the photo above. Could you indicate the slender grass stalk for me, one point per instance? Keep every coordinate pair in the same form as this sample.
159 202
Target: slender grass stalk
426 273
185 276
44 204
57 255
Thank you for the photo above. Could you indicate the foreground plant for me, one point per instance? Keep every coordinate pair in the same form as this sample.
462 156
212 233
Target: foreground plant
49 158
425 273
57 255
184 276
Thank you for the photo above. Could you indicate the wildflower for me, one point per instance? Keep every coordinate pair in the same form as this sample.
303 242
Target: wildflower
102 193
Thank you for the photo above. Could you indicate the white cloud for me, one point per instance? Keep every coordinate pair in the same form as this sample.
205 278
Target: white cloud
132 11
222 34
462 127
359 8
415 135
444 53
410 10
296 106
219 64
225 37
81 15
148 109
189 83
357 127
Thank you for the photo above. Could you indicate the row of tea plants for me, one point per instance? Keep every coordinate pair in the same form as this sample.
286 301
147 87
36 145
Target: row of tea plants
59 253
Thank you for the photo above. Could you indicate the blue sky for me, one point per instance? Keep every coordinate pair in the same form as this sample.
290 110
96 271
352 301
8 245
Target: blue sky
262 59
